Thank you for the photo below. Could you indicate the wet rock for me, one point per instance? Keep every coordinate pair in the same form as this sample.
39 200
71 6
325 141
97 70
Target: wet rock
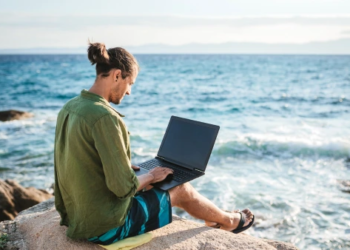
9 115
15 198
347 162
344 185
38 228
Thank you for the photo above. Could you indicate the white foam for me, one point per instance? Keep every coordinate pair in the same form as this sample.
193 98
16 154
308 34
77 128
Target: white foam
144 152
285 143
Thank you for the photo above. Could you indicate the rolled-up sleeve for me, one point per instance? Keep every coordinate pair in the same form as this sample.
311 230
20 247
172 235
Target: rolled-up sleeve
112 148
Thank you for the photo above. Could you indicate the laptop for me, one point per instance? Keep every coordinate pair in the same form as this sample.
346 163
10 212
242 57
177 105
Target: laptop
185 148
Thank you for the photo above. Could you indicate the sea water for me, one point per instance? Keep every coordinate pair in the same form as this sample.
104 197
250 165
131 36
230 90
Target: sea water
283 145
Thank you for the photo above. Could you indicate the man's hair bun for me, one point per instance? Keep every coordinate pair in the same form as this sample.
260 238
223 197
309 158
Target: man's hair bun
113 58
97 53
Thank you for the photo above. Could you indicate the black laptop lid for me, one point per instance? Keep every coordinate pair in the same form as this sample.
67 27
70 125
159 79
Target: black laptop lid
188 143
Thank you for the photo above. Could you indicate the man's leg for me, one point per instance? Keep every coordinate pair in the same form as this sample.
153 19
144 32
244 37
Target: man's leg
187 198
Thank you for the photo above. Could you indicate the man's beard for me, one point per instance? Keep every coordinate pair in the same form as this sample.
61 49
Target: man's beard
115 99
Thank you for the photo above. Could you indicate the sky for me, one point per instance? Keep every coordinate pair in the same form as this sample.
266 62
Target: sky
69 24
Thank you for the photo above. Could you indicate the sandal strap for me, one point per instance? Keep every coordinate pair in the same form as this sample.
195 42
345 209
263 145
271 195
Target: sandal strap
242 221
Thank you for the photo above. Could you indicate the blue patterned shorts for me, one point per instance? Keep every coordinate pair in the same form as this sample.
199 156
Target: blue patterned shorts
150 210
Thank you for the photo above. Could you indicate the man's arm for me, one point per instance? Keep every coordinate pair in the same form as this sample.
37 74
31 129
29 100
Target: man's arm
145 180
111 147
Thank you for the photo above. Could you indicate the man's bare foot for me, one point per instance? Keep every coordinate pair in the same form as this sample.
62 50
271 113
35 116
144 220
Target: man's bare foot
216 225
235 217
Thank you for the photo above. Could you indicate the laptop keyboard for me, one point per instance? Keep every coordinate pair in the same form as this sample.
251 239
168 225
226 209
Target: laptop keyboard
179 175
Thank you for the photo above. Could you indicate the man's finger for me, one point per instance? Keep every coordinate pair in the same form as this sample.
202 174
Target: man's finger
135 167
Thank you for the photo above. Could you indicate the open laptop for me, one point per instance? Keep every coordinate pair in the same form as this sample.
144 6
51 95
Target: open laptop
185 148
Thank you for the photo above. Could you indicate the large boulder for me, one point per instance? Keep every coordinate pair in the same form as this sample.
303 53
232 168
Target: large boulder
9 115
38 228
14 198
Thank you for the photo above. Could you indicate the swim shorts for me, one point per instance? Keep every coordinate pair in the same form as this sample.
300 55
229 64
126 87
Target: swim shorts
150 210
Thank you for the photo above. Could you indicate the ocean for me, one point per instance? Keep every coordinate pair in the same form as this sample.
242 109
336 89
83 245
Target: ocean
283 145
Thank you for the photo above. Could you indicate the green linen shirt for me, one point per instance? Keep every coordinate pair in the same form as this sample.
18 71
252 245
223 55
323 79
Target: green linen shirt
94 181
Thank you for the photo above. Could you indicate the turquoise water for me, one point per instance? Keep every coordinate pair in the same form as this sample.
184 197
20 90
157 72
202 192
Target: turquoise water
283 143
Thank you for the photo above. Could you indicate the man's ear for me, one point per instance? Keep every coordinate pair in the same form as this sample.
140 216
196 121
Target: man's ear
117 74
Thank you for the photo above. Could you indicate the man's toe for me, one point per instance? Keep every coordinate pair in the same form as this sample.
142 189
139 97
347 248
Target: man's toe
248 215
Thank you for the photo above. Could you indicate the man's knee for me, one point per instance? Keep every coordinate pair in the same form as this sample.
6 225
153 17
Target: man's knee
182 189
180 194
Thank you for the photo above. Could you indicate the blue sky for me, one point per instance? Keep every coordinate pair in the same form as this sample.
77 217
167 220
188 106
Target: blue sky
28 24
202 8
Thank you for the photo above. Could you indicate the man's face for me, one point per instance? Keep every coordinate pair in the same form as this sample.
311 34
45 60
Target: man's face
122 87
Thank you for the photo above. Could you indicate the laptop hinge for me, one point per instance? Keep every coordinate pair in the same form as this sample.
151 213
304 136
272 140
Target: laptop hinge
196 169
192 169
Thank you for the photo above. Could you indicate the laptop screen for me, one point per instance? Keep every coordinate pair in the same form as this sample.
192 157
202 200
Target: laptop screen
188 143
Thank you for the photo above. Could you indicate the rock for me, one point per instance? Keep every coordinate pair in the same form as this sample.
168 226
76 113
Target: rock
347 162
38 228
345 185
184 234
9 115
15 198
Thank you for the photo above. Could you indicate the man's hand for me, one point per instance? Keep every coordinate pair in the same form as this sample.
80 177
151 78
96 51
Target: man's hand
155 175
160 173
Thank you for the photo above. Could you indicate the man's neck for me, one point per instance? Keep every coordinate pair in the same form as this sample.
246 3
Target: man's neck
100 88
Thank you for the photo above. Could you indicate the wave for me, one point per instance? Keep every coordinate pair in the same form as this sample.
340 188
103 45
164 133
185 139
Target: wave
332 100
284 147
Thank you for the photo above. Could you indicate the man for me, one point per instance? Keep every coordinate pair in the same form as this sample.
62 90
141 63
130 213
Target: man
97 192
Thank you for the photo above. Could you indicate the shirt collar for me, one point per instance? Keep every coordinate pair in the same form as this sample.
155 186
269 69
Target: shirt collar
97 98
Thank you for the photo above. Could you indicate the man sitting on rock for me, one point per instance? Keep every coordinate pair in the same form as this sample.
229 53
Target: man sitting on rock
97 192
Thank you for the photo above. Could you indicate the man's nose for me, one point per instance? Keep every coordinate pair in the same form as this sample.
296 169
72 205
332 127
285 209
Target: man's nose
128 92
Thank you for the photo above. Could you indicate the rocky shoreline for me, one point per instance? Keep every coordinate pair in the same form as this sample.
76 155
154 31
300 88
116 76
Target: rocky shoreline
14 198
38 228
10 115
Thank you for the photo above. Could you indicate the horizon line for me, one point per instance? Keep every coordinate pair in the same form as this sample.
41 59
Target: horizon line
198 54
185 44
